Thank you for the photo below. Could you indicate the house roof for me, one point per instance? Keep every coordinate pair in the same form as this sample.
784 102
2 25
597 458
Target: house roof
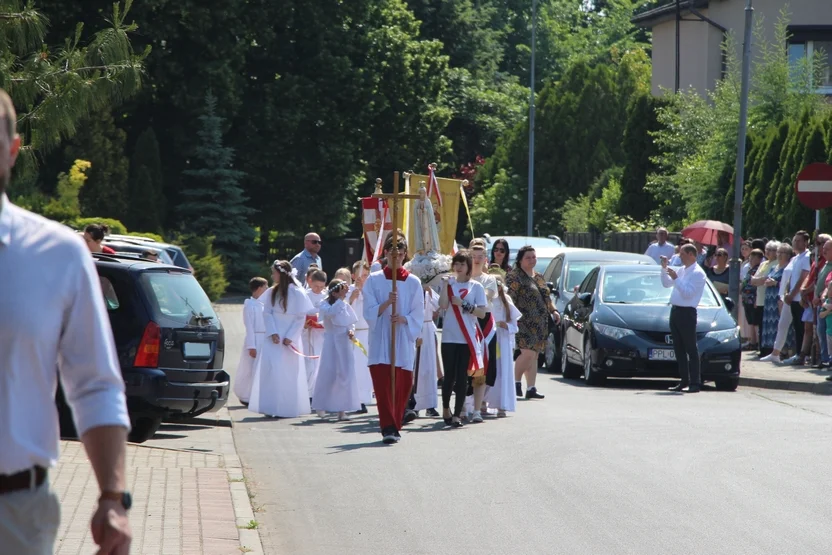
666 12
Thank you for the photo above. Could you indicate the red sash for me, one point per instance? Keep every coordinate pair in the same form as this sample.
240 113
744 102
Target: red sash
475 367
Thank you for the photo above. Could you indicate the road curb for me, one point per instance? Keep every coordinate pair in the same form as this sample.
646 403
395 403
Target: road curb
824 388
243 510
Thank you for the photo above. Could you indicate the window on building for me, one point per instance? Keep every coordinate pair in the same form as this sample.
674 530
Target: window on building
809 43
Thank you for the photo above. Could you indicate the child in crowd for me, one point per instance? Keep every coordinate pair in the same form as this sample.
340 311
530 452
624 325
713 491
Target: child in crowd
425 395
313 329
336 388
255 332
355 298
502 394
345 275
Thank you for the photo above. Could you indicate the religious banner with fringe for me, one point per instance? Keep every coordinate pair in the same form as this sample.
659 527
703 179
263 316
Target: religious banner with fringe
375 215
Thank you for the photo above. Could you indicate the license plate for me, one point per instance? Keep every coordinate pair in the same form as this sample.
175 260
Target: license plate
197 350
662 354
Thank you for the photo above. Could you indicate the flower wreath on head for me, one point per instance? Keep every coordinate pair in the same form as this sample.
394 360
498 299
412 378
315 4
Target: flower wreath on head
336 287
293 274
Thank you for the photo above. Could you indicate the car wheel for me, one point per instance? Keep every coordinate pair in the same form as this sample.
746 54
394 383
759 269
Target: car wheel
727 384
551 353
570 371
591 377
143 429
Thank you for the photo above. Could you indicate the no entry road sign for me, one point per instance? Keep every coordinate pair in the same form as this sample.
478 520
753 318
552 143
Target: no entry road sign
814 186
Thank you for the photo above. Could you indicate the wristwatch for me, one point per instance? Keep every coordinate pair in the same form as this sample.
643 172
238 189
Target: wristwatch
123 497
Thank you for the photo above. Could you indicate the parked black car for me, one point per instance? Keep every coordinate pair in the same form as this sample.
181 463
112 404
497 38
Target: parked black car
170 343
618 325
567 271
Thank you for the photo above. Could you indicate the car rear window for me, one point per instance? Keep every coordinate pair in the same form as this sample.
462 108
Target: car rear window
178 297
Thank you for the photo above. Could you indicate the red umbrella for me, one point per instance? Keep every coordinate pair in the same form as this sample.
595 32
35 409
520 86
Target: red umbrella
707 231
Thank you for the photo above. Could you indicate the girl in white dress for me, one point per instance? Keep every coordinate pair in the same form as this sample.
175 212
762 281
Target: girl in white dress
502 394
426 395
255 334
355 298
336 389
313 330
280 387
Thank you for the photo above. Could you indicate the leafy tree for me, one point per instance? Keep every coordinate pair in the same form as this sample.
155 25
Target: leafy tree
145 188
102 143
639 151
65 206
214 203
209 268
54 89
581 122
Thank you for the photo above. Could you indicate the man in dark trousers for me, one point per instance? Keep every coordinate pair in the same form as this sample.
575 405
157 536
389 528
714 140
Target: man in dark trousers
688 283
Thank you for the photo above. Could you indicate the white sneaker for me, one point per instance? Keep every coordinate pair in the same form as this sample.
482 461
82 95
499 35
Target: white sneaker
791 361
343 416
321 413
770 358
477 416
501 413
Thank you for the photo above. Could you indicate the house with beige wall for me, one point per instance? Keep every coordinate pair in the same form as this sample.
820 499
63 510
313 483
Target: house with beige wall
703 25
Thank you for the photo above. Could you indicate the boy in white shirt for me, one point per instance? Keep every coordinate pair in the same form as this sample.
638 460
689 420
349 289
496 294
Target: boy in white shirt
255 332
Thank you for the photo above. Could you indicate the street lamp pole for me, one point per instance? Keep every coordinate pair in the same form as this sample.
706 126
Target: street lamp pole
530 207
734 275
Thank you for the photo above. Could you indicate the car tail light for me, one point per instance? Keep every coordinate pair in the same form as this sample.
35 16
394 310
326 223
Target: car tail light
147 355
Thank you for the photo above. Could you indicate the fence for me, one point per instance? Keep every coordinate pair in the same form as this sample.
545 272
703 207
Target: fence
623 241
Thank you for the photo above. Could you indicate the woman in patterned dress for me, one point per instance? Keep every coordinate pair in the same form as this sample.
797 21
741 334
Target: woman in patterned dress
528 290
772 310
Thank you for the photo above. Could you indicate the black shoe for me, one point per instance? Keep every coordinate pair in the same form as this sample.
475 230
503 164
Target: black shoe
409 416
692 389
244 404
433 413
440 382
518 388
677 388
388 435
363 409
533 394
456 423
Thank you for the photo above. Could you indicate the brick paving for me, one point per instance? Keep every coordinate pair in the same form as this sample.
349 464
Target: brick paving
182 496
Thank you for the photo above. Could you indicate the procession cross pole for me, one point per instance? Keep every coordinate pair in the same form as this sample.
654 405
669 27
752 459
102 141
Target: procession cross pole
393 263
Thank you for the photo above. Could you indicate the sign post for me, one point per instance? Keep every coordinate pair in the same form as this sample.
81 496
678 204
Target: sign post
814 187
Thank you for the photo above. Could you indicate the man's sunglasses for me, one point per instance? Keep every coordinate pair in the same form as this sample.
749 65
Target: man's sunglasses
315 241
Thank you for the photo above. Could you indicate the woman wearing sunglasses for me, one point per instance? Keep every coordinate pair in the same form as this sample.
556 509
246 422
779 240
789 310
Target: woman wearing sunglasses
499 255
718 274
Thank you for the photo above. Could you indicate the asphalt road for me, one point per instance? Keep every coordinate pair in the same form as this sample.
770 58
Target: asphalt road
624 469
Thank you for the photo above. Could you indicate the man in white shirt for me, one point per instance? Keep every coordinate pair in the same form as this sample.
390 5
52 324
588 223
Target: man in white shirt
800 266
661 247
52 315
688 283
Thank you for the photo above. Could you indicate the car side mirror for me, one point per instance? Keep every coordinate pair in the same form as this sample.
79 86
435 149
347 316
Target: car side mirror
729 304
585 298
552 289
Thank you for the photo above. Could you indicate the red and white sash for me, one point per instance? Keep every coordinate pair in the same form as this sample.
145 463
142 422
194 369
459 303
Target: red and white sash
476 367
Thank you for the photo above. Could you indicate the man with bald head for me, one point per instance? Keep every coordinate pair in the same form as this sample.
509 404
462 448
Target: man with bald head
309 254
52 316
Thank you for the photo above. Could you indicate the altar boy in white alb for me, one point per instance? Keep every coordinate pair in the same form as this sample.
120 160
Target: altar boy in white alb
255 333
426 396
409 317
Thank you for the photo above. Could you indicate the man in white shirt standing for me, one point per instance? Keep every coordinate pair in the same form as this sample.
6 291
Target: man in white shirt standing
688 283
661 247
52 315
800 266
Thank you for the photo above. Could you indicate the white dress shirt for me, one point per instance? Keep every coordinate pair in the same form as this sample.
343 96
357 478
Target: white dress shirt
799 264
52 316
656 251
688 285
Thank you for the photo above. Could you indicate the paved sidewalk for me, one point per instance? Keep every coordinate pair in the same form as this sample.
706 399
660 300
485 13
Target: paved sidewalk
189 495
790 378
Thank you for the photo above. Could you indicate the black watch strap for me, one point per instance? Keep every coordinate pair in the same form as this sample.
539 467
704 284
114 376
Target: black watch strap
123 497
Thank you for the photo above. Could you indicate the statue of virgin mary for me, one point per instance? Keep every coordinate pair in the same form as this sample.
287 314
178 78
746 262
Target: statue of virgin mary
428 262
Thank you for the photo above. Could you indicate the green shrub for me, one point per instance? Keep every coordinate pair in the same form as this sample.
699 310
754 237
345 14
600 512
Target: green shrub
149 235
209 268
116 226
